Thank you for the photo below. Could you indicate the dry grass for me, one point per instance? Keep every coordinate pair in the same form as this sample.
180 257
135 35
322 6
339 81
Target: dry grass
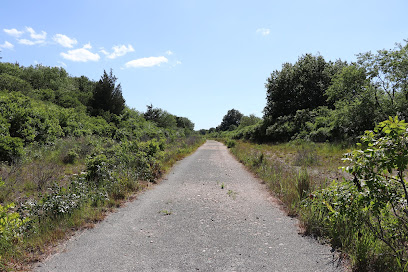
292 171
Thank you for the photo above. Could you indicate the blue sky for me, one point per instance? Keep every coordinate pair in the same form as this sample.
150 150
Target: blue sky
196 59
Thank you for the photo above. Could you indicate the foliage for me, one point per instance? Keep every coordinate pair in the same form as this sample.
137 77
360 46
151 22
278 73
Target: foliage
320 101
11 148
107 96
299 86
184 122
379 174
63 167
231 120
373 205
11 226
13 83
160 117
249 121
164 119
388 71
230 143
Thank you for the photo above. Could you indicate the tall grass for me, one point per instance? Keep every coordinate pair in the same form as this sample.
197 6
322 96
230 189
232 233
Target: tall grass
291 171
306 178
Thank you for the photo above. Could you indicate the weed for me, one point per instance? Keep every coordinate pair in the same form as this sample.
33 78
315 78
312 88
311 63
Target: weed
165 212
222 185
232 194
306 157
258 160
303 183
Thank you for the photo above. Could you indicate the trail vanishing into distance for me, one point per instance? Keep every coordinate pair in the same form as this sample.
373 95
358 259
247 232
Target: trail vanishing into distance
209 214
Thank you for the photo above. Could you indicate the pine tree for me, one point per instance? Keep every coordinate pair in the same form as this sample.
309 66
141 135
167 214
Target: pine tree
107 96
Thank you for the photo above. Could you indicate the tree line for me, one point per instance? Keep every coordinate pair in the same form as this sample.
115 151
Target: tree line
39 104
318 100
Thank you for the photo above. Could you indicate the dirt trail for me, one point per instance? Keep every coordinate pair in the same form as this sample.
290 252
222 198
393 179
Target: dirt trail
209 214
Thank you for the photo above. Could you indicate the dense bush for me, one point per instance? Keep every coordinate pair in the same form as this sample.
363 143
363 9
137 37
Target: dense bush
11 148
373 205
319 100
64 166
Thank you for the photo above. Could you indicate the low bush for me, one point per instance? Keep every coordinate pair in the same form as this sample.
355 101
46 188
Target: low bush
367 215
231 143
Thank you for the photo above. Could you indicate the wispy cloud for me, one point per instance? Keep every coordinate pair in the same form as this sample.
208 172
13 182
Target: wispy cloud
263 31
7 45
64 40
146 62
103 51
61 64
120 50
81 55
36 36
169 52
13 32
30 42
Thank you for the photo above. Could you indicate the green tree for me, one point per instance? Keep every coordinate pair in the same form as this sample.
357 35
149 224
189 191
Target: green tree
161 117
184 122
14 84
107 96
356 108
249 120
299 86
388 70
231 120
43 77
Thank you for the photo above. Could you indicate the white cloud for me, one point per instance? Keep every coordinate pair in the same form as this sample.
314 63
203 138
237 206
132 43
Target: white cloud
178 62
81 54
13 32
120 50
146 62
7 45
88 46
263 31
34 35
169 52
103 51
62 64
64 40
29 42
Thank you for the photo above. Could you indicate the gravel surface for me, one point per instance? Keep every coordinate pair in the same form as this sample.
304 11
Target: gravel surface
208 214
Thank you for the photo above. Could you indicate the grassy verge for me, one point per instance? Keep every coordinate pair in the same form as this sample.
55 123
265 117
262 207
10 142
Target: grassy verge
307 179
291 171
71 185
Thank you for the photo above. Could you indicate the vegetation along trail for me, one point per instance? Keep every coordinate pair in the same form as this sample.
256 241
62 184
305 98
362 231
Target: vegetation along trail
209 214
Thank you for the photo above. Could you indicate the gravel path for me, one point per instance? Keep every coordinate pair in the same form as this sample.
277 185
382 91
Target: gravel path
209 214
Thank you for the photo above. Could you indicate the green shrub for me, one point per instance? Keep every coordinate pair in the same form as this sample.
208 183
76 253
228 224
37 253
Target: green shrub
11 227
71 156
231 143
97 168
367 216
14 84
11 148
